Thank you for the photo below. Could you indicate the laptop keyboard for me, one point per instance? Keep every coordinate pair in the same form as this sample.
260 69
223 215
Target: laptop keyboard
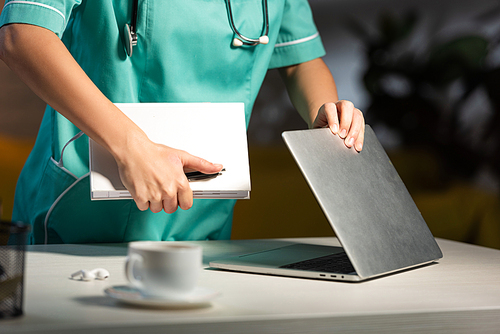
336 263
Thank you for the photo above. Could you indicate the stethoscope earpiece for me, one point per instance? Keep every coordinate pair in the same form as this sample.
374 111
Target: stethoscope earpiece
237 42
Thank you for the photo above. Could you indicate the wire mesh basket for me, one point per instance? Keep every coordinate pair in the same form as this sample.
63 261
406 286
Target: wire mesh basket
12 254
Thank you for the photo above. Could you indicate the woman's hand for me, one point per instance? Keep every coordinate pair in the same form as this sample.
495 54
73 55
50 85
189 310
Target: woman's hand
154 175
312 90
343 119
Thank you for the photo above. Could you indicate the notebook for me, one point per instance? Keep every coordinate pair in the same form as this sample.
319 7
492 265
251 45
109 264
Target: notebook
213 131
379 227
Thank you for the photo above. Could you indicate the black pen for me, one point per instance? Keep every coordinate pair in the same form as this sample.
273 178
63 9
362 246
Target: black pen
196 176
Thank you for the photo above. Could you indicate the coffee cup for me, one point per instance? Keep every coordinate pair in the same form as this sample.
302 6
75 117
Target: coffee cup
164 269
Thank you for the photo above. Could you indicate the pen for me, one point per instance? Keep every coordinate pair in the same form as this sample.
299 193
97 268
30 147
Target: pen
196 176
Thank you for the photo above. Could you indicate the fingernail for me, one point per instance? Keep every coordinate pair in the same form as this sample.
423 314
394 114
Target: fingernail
343 133
350 142
335 128
359 147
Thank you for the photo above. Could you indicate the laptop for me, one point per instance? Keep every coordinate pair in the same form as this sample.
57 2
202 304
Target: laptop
379 227
213 131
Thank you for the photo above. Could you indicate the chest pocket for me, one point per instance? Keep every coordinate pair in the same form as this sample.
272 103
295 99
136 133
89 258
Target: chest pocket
191 57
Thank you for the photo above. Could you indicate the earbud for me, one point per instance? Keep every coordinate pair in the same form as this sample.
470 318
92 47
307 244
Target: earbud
85 275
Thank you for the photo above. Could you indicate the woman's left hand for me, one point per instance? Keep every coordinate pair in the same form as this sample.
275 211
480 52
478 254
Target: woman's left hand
343 119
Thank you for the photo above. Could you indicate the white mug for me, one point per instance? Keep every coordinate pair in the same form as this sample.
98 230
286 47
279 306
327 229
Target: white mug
164 269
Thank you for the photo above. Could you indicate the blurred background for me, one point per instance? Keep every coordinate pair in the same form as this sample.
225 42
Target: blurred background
425 73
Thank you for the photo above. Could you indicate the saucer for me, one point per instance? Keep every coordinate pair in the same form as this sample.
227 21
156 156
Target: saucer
200 297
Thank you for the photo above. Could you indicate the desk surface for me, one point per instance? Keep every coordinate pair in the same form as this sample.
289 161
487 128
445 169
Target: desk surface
459 294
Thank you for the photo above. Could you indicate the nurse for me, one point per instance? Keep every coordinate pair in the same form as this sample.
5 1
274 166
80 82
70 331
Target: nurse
73 55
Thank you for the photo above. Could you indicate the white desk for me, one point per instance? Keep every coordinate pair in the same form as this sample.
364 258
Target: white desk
460 294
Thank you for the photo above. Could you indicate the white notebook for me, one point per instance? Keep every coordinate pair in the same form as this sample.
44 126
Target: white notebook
213 131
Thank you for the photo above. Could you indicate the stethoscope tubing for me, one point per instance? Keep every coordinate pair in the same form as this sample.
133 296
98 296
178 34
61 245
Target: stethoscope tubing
131 35
248 40
133 23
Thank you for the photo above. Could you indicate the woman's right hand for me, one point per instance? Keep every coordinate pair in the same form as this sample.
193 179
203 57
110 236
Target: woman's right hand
154 175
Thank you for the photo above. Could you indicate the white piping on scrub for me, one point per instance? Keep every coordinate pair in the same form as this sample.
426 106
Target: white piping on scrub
57 201
297 41
36 4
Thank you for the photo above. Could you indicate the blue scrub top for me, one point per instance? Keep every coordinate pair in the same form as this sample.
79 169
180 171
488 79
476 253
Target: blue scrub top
184 54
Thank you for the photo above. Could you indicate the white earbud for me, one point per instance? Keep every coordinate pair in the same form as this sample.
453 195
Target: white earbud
85 275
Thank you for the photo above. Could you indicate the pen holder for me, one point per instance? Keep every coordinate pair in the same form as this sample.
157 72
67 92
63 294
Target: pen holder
12 254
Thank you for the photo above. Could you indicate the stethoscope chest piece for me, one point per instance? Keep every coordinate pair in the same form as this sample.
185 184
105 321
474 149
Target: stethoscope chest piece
130 31
130 39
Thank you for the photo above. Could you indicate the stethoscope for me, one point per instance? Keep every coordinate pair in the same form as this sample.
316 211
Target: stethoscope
131 35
